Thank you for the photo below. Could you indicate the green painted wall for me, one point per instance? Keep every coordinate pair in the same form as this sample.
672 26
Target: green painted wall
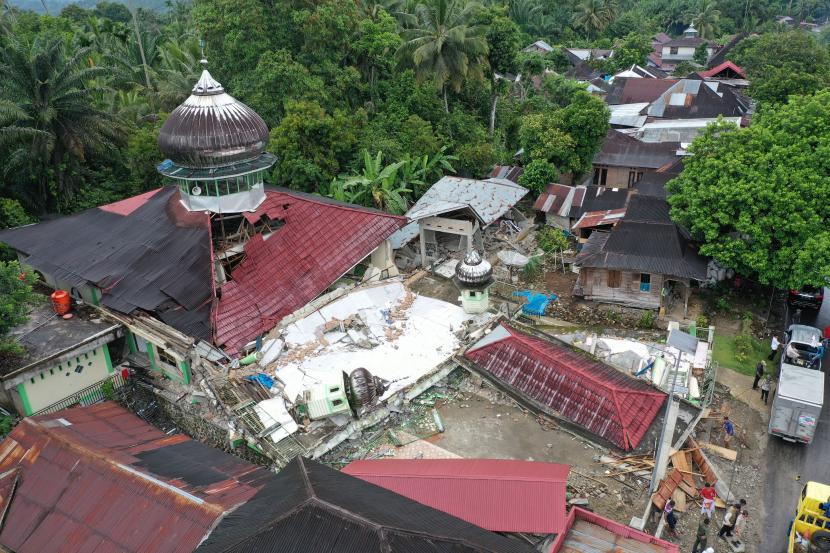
107 358
24 399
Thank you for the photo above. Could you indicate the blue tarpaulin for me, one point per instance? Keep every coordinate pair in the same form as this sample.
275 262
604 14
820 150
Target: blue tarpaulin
263 379
536 301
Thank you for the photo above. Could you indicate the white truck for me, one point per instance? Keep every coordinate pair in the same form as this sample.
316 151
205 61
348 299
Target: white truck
797 403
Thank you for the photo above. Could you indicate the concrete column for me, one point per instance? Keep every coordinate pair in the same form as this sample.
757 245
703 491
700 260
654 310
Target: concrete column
423 246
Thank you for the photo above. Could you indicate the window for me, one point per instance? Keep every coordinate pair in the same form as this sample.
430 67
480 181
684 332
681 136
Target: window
334 389
645 282
166 358
634 176
614 278
337 402
600 176
673 50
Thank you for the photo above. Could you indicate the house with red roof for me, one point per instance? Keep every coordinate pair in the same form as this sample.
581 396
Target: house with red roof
561 381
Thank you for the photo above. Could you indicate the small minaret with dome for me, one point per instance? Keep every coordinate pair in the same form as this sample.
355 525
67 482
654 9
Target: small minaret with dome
473 276
215 150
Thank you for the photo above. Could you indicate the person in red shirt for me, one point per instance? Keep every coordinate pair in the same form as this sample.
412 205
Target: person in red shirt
707 493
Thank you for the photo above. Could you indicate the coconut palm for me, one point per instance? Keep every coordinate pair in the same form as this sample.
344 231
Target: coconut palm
55 94
178 70
706 21
592 16
444 45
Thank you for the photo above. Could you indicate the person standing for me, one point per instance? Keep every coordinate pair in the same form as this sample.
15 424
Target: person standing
707 493
701 536
765 384
759 372
728 431
796 317
773 345
730 518
740 523
671 518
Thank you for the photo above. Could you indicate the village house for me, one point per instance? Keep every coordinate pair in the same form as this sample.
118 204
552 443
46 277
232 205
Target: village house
563 205
622 160
99 478
642 262
683 48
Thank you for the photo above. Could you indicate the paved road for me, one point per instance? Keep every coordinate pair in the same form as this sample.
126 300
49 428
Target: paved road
786 462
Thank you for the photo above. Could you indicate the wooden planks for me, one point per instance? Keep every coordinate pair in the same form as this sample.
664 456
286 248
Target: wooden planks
726 453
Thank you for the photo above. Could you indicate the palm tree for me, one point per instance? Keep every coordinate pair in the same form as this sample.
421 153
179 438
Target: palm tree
592 16
55 95
178 70
706 21
444 45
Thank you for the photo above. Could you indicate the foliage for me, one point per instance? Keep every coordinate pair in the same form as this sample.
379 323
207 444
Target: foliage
707 19
646 320
378 185
108 390
538 174
15 295
552 240
532 269
6 425
702 321
756 197
701 54
781 64
743 347
631 50
12 214
685 68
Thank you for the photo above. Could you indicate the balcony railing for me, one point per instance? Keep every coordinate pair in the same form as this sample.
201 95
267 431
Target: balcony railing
102 390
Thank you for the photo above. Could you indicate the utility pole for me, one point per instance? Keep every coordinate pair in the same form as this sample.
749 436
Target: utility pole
661 459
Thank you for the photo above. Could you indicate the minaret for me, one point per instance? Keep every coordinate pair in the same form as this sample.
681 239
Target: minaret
474 276
215 149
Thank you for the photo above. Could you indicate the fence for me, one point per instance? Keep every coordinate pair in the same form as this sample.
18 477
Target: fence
107 388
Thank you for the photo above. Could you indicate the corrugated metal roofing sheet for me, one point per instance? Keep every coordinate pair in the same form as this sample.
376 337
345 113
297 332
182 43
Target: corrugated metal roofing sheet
589 532
496 494
489 199
319 242
593 219
600 398
99 478
621 150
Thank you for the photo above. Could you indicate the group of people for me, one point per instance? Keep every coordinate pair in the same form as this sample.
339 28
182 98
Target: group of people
762 380
733 524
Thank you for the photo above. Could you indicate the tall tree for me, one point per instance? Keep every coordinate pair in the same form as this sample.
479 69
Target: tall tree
707 19
593 16
54 91
444 45
756 197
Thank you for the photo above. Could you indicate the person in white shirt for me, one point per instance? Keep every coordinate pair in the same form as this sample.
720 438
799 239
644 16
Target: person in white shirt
774 345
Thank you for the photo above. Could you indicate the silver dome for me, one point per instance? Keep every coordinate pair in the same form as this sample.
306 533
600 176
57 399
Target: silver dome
474 271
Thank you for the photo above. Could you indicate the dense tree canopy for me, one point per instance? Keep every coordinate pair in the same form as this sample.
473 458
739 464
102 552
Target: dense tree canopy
757 197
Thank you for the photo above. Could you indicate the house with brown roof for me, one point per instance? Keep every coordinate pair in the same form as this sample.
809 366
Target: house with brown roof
623 160
100 479
643 260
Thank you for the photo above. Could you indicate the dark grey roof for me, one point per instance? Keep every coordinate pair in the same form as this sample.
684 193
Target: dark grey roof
129 250
653 184
212 128
310 507
599 198
719 56
619 149
645 240
685 41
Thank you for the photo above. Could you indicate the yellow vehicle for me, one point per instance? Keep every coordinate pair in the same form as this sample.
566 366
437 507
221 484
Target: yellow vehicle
810 529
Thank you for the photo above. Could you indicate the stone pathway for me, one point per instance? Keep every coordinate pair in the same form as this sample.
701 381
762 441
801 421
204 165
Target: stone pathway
740 386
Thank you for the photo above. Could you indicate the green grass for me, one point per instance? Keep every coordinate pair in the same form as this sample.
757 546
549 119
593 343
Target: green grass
724 354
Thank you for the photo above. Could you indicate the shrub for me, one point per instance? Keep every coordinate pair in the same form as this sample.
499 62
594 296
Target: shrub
723 304
646 320
552 240
743 347
532 269
108 390
702 321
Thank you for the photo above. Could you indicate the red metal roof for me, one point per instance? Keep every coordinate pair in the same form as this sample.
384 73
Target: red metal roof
552 199
99 478
319 241
496 494
128 205
600 398
588 532
722 67
592 219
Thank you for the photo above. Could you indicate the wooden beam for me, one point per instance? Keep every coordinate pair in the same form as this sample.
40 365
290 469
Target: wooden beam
726 453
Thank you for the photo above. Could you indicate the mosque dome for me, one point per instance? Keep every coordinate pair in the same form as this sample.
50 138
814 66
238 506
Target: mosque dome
474 271
212 129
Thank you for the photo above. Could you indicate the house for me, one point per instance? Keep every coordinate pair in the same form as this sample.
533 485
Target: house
683 131
697 99
578 55
501 495
639 72
654 184
587 531
563 205
100 479
215 259
458 207
726 73
634 90
628 116
623 160
64 357
508 172
684 48
596 220
640 260
569 384
539 47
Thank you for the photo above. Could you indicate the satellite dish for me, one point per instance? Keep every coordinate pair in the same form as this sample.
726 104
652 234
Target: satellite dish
195 191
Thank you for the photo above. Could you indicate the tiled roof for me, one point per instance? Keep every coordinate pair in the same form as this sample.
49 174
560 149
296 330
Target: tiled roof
100 479
603 400
496 494
319 241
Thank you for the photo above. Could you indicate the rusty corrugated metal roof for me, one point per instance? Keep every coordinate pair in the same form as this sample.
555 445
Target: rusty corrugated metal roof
497 494
589 532
99 478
